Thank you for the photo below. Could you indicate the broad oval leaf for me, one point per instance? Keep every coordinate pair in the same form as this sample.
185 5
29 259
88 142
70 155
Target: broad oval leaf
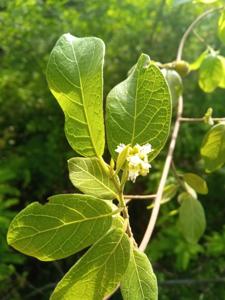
221 27
191 220
213 148
210 73
75 78
138 110
196 182
139 281
87 175
98 272
63 226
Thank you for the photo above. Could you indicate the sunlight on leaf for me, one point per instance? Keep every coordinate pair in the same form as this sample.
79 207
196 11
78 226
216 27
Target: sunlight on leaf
98 272
63 226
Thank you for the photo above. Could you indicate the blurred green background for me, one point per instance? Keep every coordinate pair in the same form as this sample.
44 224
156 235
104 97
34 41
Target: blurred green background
34 151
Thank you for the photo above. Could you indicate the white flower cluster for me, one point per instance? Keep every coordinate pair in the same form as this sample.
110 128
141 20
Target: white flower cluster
137 160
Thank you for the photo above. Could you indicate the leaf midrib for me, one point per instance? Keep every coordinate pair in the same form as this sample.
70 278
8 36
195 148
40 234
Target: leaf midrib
136 271
60 226
83 99
98 180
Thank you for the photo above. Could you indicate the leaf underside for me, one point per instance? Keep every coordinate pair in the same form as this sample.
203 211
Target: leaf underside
139 281
138 110
191 220
210 73
98 272
75 78
87 175
213 148
63 226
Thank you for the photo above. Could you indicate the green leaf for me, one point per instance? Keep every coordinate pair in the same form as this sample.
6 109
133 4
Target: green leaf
75 78
222 81
121 159
138 110
196 182
208 116
63 226
139 281
169 193
174 82
221 27
197 63
191 218
87 175
210 73
98 272
213 148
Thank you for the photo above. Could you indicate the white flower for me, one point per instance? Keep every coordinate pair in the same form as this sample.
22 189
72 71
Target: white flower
137 159
134 160
120 148
146 149
132 175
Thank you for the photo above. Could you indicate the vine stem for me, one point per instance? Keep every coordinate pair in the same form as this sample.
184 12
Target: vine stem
169 157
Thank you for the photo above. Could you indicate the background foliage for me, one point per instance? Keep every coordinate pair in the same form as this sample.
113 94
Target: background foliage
34 150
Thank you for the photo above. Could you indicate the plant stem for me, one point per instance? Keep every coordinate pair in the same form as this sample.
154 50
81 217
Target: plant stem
191 28
201 119
163 179
140 197
126 217
122 202
169 157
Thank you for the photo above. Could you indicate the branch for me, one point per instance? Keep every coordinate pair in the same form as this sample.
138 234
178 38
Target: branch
164 176
169 157
193 120
191 27
191 281
140 197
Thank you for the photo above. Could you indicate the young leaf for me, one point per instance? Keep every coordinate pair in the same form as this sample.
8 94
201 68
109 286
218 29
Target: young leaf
87 175
197 63
63 226
98 272
222 81
221 27
210 73
213 148
139 281
196 182
138 110
75 78
191 218
169 192
121 159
